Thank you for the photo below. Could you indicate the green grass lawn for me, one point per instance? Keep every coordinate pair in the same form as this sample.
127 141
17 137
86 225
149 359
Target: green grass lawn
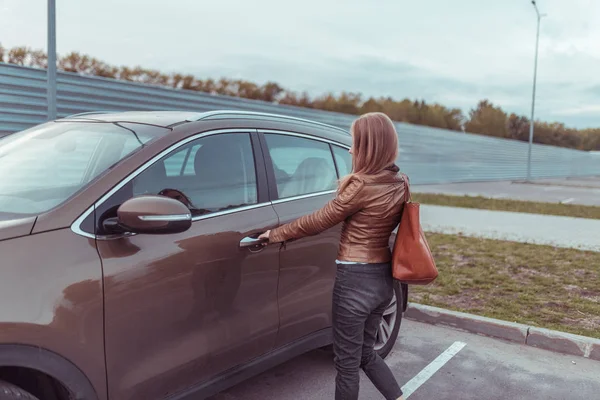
544 286
569 210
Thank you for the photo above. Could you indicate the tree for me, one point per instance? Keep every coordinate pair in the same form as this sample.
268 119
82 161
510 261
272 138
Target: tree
557 134
38 59
518 127
454 119
305 101
246 90
176 81
188 82
441 117
403 111
485 119
289 98
371 105
209 86
99 68
488 119
348 103
225 87
326 102
293 99
18 55
271 92
75 62
591 139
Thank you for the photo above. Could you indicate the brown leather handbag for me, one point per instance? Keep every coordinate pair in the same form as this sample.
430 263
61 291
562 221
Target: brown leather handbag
412 261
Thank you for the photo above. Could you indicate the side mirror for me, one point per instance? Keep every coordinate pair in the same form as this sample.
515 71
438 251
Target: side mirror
151 215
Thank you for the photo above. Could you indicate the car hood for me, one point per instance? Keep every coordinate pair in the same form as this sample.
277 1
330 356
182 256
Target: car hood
15 227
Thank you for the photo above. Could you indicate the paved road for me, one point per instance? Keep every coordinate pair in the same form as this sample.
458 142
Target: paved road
584 191
552 230
425 364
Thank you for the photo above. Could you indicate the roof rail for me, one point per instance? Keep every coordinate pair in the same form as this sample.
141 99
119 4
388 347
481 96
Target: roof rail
209 114
88 113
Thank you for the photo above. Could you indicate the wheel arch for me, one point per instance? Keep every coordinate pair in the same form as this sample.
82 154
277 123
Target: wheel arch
51 364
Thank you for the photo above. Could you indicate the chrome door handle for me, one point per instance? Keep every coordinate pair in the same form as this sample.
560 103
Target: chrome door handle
251 242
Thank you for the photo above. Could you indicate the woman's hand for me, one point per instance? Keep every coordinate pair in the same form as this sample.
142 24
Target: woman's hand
265 236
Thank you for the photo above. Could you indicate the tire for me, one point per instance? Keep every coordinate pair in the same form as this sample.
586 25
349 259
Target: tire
8 391
390 324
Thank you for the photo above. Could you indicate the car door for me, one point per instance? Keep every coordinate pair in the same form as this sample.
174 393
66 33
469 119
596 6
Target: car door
305 178
180 309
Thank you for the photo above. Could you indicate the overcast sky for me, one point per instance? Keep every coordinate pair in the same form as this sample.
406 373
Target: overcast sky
450 51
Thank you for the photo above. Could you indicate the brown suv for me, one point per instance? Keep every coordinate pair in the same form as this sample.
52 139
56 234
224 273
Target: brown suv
130 265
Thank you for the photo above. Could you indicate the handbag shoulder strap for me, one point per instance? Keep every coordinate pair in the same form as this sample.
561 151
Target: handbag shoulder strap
407 195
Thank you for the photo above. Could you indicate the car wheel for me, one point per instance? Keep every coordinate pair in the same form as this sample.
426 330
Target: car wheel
8 391
390 324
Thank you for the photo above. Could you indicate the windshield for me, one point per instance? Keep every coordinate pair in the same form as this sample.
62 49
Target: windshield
44 166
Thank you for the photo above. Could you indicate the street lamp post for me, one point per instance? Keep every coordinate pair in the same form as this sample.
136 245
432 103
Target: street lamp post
51 72
532 122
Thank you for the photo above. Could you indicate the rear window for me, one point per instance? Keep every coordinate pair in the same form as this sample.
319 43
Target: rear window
44 166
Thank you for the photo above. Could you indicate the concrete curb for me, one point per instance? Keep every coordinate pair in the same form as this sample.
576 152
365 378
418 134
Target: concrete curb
556 341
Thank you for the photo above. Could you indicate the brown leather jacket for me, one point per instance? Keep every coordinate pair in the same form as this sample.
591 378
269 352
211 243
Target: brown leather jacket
370 207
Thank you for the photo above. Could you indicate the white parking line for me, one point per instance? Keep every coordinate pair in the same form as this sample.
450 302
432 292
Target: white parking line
431 369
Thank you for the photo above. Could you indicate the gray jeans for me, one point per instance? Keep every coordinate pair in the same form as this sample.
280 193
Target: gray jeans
360 296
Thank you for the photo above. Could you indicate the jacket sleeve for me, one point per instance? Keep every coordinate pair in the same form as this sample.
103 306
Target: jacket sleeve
334 212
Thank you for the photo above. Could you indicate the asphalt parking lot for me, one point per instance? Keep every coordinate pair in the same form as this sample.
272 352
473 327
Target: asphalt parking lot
438 363
585 191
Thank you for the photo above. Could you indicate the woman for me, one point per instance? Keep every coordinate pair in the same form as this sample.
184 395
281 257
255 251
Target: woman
369 202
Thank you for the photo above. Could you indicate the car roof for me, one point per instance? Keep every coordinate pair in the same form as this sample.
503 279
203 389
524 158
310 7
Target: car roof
159 118
169 119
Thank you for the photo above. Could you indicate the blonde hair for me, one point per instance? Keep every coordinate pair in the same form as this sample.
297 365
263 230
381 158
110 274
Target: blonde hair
374 145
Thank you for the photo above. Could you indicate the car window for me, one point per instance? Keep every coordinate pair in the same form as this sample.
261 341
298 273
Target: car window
211 174
182 162
302 166
343 160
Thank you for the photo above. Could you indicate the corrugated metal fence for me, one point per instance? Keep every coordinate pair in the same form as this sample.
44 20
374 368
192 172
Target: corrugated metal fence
428 155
